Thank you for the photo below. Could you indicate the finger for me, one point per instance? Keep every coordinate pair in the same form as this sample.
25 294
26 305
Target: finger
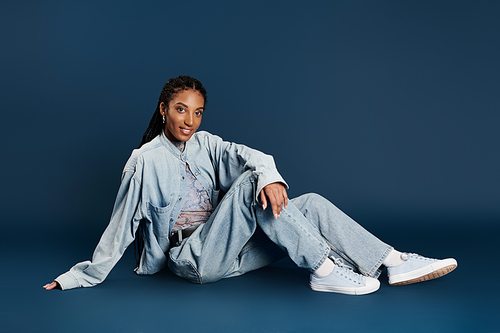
285 195
263 199
277 204
54 285
50 286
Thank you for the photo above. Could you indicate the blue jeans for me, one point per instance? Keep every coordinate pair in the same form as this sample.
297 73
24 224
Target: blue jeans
240 237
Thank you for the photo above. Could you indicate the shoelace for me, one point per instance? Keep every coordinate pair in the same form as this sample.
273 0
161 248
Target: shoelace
406 256
346 270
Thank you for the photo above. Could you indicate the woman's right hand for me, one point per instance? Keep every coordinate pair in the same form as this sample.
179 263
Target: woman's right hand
53 285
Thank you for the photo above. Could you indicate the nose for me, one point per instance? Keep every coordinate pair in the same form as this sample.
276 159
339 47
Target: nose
188 120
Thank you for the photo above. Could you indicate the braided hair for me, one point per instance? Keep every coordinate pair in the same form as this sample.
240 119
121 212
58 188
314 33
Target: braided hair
170 89
156 126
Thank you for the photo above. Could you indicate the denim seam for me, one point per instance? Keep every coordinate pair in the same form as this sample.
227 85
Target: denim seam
137 180
322 259
196 271
375 271
190 264
342 254
326 251
229 194
334 249
76 280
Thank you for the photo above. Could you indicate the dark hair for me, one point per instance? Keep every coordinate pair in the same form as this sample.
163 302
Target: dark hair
170 89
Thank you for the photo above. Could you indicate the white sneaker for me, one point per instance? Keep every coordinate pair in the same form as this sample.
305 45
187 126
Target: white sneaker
344 280
416 268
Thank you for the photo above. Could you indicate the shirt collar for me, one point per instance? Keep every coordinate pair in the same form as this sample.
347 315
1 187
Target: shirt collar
172 148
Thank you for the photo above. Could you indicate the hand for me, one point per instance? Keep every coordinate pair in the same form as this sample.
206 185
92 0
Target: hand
53 285
277 196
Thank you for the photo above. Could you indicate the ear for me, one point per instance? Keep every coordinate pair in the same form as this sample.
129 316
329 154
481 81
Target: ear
163 109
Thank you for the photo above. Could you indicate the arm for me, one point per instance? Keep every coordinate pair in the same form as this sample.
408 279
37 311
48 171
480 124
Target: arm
115 239
231 160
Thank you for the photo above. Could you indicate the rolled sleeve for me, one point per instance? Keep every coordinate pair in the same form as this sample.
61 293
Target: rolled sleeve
232 159
267 178
67 281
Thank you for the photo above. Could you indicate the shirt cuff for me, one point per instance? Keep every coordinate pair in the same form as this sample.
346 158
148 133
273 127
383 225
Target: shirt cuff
67 281
267 178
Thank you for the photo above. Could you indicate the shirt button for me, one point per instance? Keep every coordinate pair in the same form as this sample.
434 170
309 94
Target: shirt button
171 220
180 199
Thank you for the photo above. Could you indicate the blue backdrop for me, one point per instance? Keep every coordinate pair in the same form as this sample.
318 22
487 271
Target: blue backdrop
390 109
387 108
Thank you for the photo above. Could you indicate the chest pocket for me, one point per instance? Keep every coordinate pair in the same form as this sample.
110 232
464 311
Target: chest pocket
160 219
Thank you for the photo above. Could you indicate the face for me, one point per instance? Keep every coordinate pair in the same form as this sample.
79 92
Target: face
183 116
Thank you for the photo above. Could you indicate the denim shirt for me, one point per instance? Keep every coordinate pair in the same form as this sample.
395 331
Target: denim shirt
152 188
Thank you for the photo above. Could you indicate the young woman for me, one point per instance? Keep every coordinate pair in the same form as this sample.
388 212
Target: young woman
211 209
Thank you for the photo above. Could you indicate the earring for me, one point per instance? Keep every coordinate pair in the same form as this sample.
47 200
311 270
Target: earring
164 119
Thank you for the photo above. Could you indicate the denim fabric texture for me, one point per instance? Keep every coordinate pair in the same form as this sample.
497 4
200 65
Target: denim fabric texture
241 237
238 237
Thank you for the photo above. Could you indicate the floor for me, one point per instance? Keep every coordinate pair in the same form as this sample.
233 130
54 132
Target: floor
274 299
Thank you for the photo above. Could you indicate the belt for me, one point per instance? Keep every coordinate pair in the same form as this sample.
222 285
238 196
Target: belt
176 237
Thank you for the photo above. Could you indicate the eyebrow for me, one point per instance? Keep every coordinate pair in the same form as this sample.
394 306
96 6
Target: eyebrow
201 107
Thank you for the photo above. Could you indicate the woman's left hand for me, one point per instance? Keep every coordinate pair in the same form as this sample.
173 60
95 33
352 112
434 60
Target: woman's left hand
53 285
276 194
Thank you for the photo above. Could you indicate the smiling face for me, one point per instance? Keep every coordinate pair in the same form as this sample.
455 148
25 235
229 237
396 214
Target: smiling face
183 116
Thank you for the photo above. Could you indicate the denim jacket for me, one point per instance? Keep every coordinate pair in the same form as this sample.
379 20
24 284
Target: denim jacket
152 188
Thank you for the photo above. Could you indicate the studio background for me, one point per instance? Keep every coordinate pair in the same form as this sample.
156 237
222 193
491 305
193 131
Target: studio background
390 109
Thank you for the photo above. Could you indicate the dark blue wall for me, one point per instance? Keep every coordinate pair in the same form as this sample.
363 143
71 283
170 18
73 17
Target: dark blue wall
388 108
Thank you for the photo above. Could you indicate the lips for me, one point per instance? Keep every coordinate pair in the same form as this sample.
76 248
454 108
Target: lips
185 131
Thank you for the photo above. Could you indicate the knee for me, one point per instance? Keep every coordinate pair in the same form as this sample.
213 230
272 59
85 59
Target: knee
314 197
243 188
246 177
311 199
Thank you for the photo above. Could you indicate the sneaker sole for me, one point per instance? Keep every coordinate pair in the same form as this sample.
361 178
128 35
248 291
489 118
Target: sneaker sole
426 273
345 290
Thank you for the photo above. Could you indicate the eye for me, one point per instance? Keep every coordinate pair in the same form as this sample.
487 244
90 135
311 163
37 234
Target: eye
181 109
198 113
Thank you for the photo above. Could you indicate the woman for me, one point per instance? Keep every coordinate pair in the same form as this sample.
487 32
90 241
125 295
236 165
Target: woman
170 201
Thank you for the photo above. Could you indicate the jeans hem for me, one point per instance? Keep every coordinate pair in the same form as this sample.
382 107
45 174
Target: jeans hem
321 260
376 270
